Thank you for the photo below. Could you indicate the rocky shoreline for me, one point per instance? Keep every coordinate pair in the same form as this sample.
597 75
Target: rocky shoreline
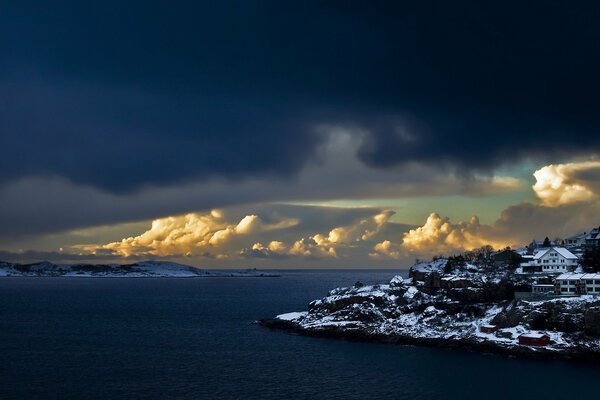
578 355
460 307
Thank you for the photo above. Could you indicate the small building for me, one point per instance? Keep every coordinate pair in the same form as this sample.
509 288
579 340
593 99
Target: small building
534 339
488 328
542 289
550 260
577 284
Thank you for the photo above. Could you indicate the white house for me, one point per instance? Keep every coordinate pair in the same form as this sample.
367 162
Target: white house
550 260
576 284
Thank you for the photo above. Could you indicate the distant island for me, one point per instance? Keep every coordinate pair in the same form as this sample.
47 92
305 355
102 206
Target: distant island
539 301
143 269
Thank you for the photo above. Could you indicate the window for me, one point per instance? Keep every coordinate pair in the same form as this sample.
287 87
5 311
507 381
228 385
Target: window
571 289
588 282
565 282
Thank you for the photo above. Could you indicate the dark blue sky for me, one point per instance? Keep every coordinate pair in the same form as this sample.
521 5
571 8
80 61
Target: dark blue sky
123 94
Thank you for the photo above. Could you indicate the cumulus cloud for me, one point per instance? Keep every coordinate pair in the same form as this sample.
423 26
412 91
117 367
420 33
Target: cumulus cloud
275 249
349 235
440 235
562 184
386 249
189 234
325 245
341 237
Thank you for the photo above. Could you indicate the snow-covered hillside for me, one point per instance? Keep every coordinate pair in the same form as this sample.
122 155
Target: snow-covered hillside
136 270
453 310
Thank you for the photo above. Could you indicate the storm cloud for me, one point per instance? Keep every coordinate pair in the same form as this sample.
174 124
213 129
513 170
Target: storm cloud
53 204
121 96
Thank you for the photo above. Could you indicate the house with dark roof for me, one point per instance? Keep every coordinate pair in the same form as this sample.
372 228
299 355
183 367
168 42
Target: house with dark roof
592 239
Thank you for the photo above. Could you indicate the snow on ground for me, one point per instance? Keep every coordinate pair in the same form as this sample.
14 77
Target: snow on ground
291 316
403 309
430 266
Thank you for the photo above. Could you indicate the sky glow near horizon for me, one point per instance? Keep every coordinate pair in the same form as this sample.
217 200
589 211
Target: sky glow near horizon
334 134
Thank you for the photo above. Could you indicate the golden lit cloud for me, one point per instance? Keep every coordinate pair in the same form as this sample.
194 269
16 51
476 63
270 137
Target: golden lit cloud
189 234
325 245
386 249
439 235
341 236
562 184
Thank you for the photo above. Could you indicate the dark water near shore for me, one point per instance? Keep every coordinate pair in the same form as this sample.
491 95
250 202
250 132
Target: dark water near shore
194 338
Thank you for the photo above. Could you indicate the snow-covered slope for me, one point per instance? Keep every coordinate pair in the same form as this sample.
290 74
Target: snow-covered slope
135 270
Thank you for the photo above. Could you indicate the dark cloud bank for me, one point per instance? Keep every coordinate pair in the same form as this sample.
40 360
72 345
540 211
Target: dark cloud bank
124 95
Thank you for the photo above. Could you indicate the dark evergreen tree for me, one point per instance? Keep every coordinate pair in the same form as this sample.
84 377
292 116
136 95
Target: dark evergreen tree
546 242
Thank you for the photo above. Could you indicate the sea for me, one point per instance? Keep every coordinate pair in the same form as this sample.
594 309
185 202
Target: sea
196 338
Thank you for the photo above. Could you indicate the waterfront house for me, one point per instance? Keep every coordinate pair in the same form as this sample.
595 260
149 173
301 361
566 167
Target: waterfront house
534 339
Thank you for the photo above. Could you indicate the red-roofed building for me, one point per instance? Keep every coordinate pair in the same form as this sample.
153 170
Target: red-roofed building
534 339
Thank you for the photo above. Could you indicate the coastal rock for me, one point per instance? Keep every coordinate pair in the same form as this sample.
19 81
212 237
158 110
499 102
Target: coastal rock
449 309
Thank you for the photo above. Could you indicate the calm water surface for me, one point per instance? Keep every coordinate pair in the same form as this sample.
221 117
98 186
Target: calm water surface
194 339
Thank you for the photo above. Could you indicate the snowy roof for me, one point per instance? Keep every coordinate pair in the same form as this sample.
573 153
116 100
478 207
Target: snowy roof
564 252
571 277
560 250
532 335
540 253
